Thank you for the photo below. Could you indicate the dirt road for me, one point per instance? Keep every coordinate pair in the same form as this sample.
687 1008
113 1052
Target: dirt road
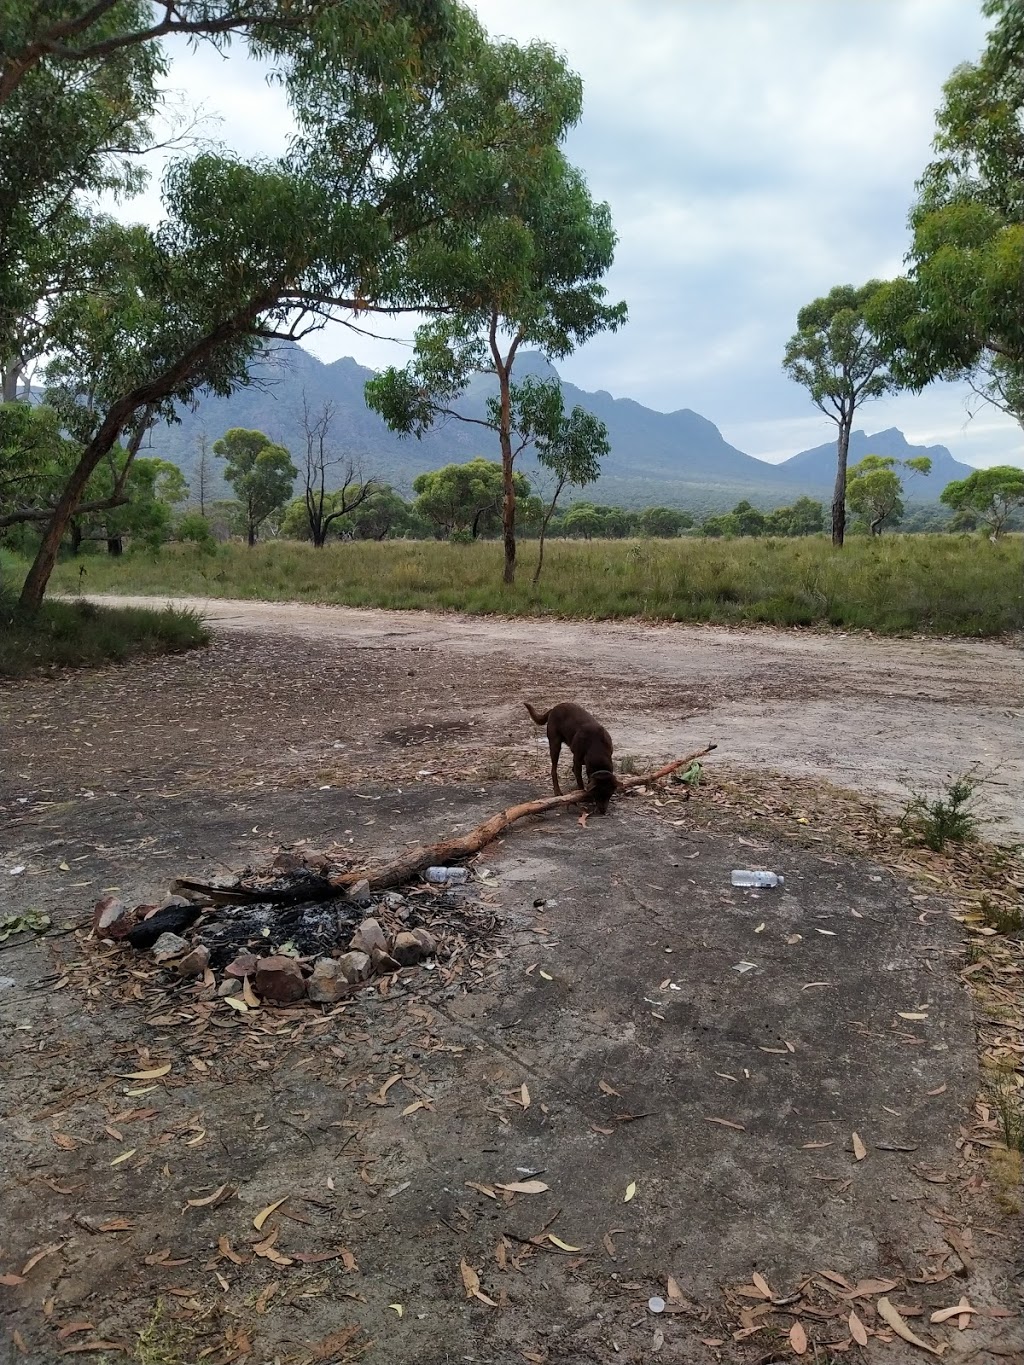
878 716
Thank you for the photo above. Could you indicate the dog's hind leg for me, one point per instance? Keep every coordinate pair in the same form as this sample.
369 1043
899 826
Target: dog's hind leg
577 770
555 745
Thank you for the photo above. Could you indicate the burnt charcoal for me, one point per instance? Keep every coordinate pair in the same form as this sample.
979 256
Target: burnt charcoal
174 920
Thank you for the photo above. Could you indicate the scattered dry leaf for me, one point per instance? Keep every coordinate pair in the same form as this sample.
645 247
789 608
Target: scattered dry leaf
523 1187
857 1329
944 1314
219 1195
152 1075
726 1123
264 1214
630 1191
859 1150
562 1246
798 1338
889 1314
608 1089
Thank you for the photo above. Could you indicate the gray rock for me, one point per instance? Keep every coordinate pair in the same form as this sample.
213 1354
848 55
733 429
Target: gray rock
426 940
407 949
354 966
230 986
168 946
369 936
195 962
106 913
383 961
328 982
279 980
360 893
243 965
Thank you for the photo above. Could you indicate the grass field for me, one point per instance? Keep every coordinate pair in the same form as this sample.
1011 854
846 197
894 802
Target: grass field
75 634
944 584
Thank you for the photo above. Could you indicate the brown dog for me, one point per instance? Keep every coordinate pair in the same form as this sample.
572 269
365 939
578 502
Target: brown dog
589 743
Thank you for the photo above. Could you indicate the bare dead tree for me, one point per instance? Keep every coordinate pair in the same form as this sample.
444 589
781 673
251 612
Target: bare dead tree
204 471
334 485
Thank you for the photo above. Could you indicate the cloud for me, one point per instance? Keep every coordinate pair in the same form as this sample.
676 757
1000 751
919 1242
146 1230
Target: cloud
754 155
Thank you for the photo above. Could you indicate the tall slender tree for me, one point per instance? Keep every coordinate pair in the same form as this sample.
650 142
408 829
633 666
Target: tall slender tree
526 272
836 356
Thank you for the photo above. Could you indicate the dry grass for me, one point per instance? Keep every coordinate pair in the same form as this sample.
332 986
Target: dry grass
956 585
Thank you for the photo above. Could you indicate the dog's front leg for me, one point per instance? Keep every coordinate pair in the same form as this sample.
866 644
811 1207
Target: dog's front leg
577 769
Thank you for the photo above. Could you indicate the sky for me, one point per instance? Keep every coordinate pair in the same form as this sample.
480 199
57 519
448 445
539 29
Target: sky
754 153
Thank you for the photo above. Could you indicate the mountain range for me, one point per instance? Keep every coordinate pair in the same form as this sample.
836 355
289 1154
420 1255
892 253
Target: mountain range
670 458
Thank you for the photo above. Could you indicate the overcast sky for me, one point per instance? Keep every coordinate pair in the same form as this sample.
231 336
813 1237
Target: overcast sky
754 154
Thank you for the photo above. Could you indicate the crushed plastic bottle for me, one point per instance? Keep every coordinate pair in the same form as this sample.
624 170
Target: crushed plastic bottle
743 877
453 876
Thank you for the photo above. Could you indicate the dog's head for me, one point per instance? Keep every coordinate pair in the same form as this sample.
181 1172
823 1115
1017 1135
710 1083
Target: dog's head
603 784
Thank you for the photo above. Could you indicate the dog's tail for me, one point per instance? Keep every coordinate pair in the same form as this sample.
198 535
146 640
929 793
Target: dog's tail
538 719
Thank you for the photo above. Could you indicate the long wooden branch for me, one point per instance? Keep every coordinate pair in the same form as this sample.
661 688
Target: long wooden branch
405 867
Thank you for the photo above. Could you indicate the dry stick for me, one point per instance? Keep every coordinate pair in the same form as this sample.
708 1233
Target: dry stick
450 850
404 868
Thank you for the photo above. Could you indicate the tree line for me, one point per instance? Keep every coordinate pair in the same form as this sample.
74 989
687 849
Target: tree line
427 175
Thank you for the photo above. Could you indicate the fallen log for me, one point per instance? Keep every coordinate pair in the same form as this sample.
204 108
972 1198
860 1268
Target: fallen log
405 867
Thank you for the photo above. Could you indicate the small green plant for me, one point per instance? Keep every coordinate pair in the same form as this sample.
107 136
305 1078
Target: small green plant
947 817
628 765
1009 1100
1004 919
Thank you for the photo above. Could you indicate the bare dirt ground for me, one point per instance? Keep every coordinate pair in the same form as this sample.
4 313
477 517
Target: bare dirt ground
875 715
587 1025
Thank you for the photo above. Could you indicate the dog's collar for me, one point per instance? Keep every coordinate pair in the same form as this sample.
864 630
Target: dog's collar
600 772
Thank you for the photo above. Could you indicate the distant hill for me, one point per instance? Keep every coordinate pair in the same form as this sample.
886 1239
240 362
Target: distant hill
818 466
674 458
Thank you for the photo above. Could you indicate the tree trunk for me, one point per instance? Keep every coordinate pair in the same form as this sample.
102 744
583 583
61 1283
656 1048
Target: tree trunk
508 502
115 545
34 587
146 396
839 493
543 532
11 375
76 538
251 535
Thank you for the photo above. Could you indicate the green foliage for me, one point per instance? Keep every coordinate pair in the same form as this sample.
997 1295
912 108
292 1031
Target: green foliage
956 313
944 584
875 491
78 634
194 529
424 156
260 472
663 523
949 816
464 497
837 358
34 456
990 495
525 271
806 517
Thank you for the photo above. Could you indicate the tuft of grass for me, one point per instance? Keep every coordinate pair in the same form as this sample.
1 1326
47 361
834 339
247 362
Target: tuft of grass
79 634
947 817
629 764
938 584
1007 1174
1008 919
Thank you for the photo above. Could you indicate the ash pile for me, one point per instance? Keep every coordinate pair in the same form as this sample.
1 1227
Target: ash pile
285 934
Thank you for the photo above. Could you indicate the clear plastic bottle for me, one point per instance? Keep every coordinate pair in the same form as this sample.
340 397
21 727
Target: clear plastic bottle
742 877
453 876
